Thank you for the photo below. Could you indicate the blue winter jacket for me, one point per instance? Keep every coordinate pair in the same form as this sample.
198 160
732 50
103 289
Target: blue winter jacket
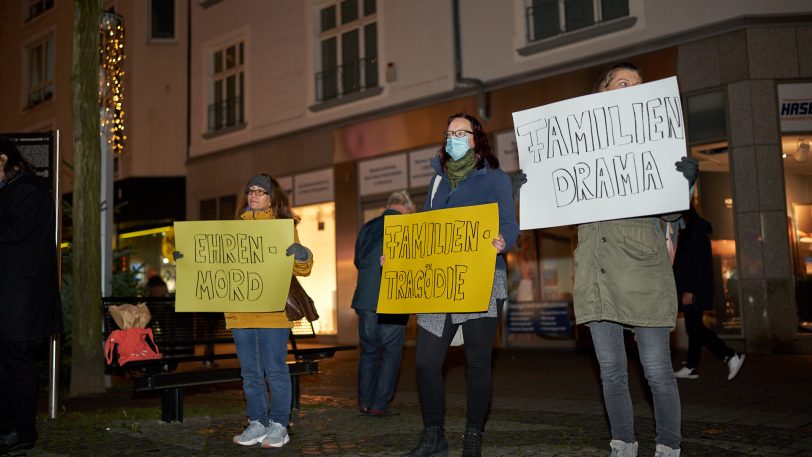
484 185
368 251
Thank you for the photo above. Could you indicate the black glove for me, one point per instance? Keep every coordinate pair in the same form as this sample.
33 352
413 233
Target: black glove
298 252
519 179
176 255
689 167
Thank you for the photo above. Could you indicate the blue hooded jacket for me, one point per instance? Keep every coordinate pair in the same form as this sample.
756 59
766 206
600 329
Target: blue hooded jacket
483 185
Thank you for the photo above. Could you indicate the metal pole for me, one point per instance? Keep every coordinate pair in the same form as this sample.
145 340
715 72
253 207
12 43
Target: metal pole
53 347
53 376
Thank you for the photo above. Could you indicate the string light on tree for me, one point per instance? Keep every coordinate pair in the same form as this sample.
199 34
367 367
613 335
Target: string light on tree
111 76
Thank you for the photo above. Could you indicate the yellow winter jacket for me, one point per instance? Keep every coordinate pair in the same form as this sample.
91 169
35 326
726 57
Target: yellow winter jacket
268 320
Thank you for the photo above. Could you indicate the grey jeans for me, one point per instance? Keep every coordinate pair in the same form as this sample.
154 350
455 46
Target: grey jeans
653 344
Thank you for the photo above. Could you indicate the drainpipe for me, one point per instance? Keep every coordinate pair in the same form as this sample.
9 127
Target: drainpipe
459 80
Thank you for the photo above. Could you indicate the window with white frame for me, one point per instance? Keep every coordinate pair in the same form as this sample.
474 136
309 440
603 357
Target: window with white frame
161 20
348 40
549 18
227 87
37 7
40 71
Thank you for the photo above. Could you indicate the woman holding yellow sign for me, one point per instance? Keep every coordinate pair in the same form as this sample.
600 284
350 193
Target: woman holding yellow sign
262 338
467 174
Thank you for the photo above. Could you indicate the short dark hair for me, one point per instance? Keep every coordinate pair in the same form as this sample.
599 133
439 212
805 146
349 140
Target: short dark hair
607 76
482 147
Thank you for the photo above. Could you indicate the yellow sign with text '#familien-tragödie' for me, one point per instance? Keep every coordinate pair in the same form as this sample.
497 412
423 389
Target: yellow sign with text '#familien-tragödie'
439 261
233 266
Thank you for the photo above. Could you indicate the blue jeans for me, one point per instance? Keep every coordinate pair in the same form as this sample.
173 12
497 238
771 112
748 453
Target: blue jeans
653 344
262 353
377 377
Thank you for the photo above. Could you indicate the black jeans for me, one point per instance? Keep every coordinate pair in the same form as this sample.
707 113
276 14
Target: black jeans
699 335
431 352
18 386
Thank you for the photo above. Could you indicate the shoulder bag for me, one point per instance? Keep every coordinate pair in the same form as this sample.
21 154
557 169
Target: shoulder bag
299 304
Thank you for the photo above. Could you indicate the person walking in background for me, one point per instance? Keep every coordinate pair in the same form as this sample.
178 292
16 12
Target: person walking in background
623 280
381 335
693 273
262 338
29 294
467 174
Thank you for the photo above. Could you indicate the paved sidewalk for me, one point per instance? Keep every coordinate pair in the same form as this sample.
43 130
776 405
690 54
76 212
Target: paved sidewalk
544 404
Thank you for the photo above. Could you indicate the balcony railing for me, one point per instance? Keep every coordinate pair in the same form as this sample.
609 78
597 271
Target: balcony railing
225 114
347 79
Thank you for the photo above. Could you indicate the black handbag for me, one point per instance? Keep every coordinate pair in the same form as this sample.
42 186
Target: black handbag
299 304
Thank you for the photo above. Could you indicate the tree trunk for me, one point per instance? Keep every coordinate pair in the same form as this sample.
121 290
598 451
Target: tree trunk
87 369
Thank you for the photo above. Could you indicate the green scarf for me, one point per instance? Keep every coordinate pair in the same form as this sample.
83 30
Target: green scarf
458 169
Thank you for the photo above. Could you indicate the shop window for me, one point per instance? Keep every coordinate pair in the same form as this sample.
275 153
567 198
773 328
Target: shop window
795 120
798 182
162 20
317 231
540 284
348 49
707 137
227 88
40 72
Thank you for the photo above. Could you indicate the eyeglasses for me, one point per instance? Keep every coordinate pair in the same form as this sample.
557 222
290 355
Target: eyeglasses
258 192
456 133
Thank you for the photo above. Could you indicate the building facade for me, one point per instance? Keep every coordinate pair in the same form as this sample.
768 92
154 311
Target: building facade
36 42
344 101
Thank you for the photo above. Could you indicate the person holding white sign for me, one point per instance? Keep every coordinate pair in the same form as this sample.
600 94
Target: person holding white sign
623 280
262 338
467 174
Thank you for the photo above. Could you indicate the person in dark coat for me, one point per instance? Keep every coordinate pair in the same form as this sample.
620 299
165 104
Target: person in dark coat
693 273
29 293
381 335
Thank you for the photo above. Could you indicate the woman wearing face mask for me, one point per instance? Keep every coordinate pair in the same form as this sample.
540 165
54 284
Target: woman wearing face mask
262 338
468 175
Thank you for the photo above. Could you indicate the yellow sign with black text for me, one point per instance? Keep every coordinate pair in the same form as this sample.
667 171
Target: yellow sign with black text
233 266
439 261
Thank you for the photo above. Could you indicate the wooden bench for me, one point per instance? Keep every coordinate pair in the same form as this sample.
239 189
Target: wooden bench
178 334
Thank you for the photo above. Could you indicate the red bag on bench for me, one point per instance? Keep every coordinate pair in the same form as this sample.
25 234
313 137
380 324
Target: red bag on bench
132 344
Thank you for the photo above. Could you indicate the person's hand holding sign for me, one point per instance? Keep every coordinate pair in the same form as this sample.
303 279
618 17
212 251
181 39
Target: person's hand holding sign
299 252
499 243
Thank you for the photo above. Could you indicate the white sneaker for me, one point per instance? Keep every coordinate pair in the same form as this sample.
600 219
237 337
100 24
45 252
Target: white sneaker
686 373
665 451
734 364
623 449
277 436
253 434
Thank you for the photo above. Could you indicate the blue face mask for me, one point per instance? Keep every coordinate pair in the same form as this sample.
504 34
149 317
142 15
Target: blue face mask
456 147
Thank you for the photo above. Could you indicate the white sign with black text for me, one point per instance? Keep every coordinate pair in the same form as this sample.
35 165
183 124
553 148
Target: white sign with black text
313 187
420 170
505 151
603 156
795 107
385 174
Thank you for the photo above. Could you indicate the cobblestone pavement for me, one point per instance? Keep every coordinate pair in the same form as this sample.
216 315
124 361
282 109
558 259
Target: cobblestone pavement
544 404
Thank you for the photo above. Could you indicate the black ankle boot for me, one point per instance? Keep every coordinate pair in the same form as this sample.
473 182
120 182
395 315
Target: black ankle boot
432 444
472 442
